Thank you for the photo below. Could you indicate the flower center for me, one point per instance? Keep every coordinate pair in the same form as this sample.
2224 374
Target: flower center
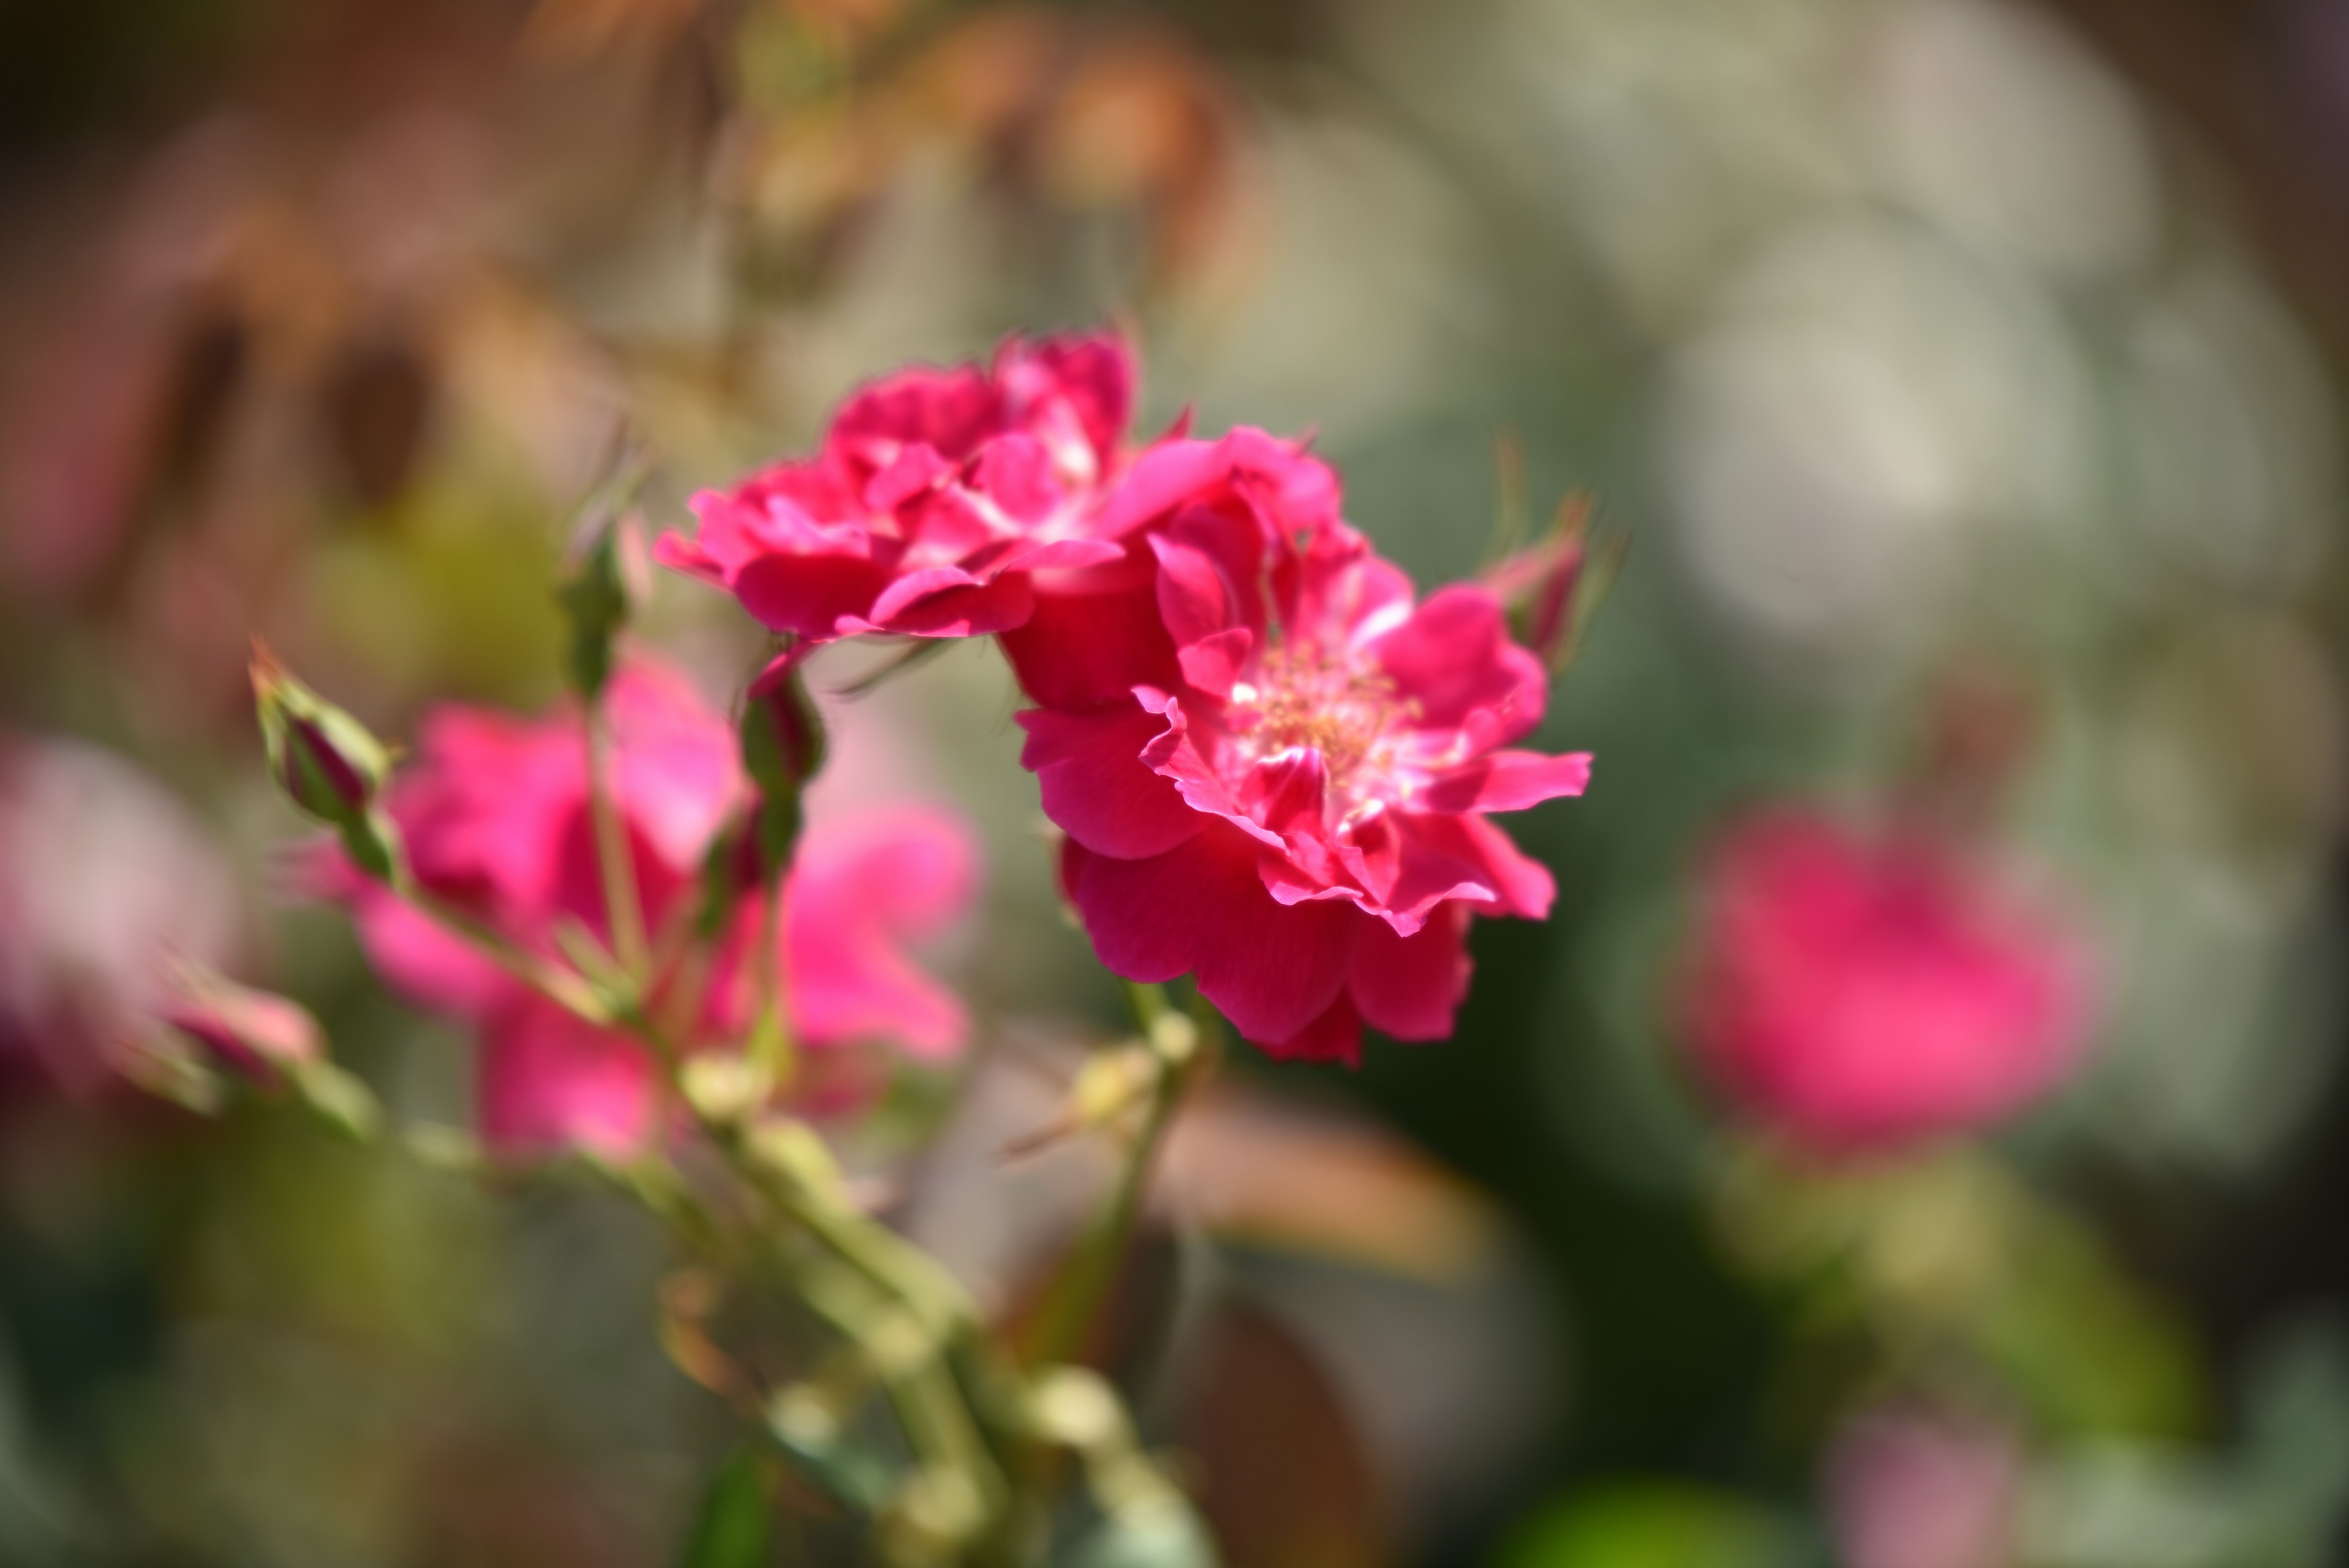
1344 708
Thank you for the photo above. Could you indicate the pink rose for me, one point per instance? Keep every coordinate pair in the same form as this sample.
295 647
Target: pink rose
1853 990
494 812
1295 810
933 494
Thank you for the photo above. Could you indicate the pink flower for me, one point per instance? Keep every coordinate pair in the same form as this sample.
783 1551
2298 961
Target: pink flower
494 812
1854 990
1297 814
105 876
934 493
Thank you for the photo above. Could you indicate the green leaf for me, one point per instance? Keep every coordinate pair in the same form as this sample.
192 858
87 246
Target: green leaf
734 1528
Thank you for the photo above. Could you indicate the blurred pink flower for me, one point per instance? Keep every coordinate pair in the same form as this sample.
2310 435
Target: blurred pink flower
495 815
256 1034
933 494
1915 1489
1853 990
1299 816
104 877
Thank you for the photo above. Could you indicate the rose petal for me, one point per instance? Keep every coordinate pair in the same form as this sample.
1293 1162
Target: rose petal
1095 786
549 1078
1410 987
1506 781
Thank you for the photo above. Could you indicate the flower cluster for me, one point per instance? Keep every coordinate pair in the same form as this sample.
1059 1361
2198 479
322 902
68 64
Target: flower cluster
494 815
1272 761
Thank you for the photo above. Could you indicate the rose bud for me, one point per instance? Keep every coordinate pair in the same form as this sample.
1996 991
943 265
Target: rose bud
326 762
1548 586
782 739
258 1036
782 734
604 577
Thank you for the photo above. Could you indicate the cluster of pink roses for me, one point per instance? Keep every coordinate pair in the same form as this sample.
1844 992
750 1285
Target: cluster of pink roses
494 815
1273 763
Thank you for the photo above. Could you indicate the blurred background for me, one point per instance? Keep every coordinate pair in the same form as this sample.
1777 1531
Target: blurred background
1916 346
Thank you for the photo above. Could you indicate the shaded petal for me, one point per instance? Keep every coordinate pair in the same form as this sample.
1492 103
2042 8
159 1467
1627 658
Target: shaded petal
1213 664
1506 781
809 595
549 1079
1334 1037
1060 554
942 607
1202 906
1174 755
1435 847
1095 785
858 893
1093 635
1410 987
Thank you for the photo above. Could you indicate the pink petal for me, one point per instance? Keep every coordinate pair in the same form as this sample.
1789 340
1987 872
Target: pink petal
1093 375
1508 781
1454 659
951 410
549 1079
1173 754
913 471
943 608
1522 886
1209 563
678 775
1093 636
809 595
859 892
1213 664
1335 1035
1410 987
422 959
1202 906
679 554
1060 556
1097 789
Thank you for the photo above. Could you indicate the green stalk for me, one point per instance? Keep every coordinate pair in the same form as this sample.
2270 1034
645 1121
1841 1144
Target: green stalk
623 908
1078 1292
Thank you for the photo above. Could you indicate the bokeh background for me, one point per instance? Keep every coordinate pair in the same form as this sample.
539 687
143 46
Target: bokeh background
1913 344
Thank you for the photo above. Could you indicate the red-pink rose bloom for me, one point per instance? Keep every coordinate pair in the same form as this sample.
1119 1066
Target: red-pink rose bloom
933 496
494 812
1854 990
1295 811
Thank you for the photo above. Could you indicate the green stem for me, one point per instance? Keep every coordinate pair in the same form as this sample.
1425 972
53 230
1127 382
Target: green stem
623 908
770 1030
550 980
1078 1292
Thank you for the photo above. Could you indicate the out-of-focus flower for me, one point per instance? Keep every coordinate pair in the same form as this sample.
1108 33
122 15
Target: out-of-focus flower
935 492
1919 1490
255 1034
1854 991
102 874
496 818
1299 817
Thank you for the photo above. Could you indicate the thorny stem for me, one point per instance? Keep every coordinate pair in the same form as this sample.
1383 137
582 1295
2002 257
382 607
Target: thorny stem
623 909
1078 1292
